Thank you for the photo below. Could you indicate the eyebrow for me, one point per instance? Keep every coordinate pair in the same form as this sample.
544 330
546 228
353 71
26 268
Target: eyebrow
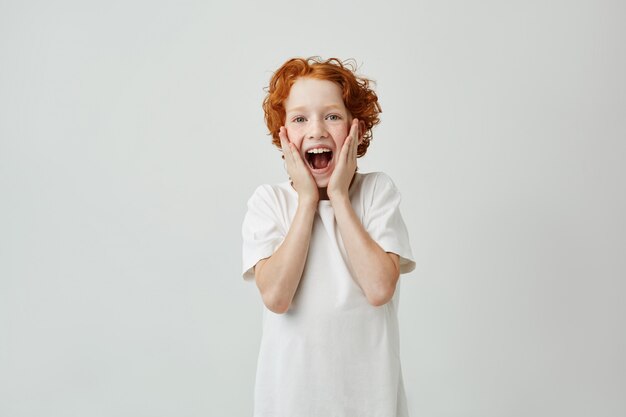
300 109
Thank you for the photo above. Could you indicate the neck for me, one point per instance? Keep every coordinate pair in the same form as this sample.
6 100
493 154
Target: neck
324 193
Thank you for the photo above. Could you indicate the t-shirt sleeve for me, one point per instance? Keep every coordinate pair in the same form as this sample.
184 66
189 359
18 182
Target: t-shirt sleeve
384 222
262 231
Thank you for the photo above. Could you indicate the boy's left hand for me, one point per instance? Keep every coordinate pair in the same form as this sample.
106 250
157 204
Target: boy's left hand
343 173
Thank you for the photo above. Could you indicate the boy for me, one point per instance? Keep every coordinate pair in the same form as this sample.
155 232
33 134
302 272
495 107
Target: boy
326 250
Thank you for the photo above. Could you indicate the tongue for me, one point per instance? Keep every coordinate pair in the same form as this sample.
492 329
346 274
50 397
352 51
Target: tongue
320 160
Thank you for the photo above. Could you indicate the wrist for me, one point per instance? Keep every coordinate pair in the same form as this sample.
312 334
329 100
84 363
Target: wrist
307 202
339 198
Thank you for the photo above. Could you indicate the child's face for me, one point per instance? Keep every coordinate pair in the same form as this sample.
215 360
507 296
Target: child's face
316 118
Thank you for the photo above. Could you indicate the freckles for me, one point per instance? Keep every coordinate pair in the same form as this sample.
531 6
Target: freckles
292 133
294 136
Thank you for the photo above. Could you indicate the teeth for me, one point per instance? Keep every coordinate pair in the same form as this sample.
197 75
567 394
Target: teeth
318 150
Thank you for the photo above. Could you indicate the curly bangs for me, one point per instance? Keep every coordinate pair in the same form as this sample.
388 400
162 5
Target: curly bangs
358 97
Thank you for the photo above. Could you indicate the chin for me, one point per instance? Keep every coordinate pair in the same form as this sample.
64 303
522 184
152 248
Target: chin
322 182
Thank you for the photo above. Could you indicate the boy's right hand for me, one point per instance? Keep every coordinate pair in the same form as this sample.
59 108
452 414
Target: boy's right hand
301 177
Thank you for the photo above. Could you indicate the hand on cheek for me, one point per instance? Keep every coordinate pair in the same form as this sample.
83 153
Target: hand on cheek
301 177
345 167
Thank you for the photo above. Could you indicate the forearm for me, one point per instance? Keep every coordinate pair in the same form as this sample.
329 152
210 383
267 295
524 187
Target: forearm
278 276
375 271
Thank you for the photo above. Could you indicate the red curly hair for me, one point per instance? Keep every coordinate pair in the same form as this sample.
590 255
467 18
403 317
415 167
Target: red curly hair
358 97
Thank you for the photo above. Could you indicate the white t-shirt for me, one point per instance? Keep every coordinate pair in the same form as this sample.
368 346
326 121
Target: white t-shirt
332 354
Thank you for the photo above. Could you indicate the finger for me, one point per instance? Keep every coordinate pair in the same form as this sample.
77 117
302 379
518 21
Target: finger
355 144
285 144
349 140
350 144
298 162
345 149
295 155
283 140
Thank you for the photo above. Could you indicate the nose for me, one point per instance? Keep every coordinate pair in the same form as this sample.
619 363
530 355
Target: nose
317 129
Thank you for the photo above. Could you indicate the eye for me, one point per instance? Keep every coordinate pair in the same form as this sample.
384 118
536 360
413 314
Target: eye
299 119
333 117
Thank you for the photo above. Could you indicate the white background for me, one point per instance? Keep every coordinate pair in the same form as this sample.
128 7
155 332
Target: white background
132 135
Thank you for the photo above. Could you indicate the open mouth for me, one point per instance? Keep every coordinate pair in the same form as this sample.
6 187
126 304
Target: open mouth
319 158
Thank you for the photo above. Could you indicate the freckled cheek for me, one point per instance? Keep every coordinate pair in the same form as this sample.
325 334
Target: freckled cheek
295 136
340 136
